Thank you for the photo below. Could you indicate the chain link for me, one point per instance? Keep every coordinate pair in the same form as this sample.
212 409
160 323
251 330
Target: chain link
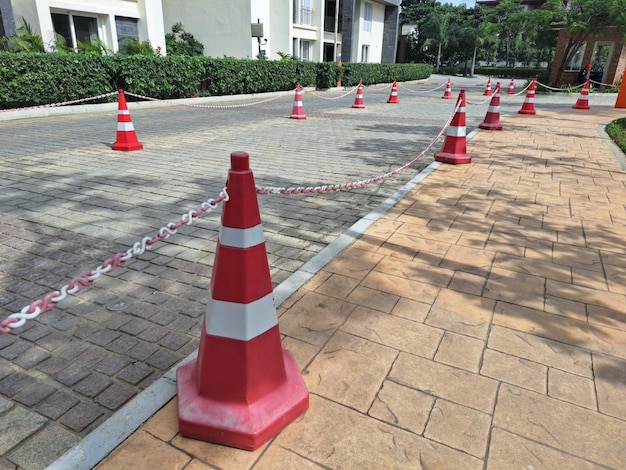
62 103
207 106
86 279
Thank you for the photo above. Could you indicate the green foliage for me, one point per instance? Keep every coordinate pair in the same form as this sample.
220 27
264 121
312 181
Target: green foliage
34 79
132 46
24 41
617 132
180 42
383 73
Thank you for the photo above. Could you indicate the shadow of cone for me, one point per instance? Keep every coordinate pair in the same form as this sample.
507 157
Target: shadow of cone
358 101
528 107
298 109
126 137
583 99
454 147
393 97
243 388
492 118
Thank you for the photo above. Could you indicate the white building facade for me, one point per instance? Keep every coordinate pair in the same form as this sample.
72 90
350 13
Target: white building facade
109 21
311 30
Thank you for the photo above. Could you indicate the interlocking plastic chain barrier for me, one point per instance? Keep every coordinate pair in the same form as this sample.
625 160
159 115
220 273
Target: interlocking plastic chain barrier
209 106
421 92
559 89
608 85
87 279
335 97
62 103
357 184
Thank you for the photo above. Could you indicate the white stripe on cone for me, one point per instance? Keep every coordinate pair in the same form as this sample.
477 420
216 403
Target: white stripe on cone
456 131
241 321
125 126
241 238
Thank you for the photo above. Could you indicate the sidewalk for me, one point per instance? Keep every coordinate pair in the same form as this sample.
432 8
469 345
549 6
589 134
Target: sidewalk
478 324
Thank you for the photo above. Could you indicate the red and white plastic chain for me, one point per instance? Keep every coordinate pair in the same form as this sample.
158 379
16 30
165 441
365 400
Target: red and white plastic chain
400 85
204 105
335 97
357 184
608 85
62 103
87 279
559 89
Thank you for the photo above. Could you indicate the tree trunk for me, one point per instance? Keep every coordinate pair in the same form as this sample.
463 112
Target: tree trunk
438 57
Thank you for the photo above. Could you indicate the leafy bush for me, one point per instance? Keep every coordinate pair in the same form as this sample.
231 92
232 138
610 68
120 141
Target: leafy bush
617 132
31 79
38 78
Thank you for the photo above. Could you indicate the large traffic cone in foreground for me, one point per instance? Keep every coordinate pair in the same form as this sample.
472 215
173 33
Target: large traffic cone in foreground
393 98
492 118
243 388
455 145
126 136
528 107
583 99
488 88
620 101
511 90
298 109
358 101
448 93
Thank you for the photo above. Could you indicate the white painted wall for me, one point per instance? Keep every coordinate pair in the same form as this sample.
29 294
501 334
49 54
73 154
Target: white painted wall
373 38
149 13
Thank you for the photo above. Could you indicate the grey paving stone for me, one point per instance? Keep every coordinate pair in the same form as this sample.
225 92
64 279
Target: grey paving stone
82 416
14 350
163 359
56 405
135 373
111 365
43 448
31 357
93 385
115 396
15 382
34 394
142 351
17 425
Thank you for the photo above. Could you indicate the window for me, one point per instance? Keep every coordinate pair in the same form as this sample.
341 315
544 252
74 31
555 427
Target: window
302 12
365 53
126 29
367 18
305 47
576 62
74 28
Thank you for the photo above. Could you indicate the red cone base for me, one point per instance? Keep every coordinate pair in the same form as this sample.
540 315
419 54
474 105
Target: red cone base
454 147
583 99
126 136
447 95
393 98
492 118
358 101
511 87
238 424
528 107
488 89
298 109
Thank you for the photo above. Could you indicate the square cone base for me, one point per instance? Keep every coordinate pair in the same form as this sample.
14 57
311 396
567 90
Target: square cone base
452 158
127 147
244 426
490 126
527 111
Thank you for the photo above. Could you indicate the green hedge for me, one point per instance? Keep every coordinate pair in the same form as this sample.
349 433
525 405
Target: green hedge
36 79
502 72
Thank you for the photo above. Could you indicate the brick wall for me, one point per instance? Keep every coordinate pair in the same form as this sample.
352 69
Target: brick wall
616 66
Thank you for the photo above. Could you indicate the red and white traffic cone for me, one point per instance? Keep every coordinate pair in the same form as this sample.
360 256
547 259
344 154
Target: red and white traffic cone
583 99
298 109
358 101
488 88
492 118
455 145
528 107
393 98
243 388
448 93
511 87
126 136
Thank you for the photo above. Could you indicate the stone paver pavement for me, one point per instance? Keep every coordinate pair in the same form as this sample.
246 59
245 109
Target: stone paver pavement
478 324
